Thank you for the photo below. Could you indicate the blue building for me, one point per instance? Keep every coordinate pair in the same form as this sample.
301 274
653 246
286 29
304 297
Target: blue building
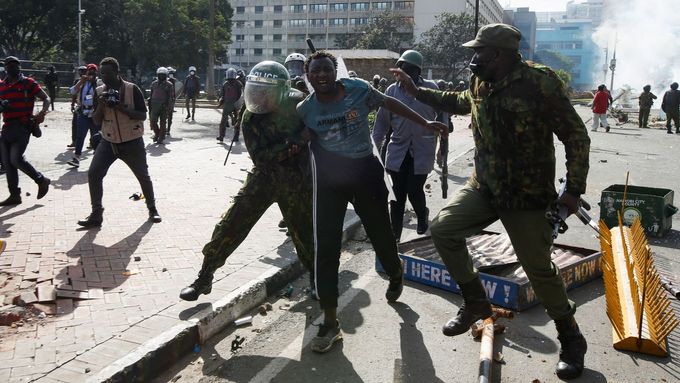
571 38
525 21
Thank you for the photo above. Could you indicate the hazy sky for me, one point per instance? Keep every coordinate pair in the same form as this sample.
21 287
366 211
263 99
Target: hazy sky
536 5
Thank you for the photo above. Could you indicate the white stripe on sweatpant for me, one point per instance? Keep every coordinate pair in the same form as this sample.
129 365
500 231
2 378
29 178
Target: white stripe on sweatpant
312 162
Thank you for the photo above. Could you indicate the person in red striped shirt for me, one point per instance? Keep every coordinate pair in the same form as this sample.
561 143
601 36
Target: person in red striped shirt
19 93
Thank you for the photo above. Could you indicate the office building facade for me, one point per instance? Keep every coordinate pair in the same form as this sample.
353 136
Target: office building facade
272 29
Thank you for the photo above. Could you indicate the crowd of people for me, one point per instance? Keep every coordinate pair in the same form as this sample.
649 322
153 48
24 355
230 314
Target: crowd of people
313 153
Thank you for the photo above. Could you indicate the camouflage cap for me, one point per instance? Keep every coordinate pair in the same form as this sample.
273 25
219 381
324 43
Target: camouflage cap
496 35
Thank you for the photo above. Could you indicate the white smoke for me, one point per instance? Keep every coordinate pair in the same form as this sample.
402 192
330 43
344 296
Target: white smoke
645 34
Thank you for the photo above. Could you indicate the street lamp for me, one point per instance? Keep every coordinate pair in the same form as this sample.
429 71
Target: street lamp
80 17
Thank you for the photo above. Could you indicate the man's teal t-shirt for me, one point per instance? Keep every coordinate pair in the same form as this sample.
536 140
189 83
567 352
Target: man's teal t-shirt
342 126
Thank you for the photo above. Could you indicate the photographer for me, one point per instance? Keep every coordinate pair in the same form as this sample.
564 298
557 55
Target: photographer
84 92
19 93
121 112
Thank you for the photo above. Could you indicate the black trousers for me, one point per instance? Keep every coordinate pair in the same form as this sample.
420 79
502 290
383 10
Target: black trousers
52 92
13 143
133 154
407 184
338 180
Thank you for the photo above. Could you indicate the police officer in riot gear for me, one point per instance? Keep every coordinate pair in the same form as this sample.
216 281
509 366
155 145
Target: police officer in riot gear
273 134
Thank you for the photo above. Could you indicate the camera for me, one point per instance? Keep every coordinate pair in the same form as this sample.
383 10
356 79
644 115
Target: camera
4 105
112 97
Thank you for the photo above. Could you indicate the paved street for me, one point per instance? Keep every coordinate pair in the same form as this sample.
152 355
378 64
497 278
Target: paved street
403 342
117 286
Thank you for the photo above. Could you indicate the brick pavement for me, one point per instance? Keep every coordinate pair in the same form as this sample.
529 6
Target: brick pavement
118 278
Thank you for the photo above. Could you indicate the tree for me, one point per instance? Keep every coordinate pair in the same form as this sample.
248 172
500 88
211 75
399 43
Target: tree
388 30
40 30
564 76
554 60
146 34
441 45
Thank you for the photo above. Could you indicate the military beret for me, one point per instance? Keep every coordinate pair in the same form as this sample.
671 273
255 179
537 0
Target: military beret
10 59
496 35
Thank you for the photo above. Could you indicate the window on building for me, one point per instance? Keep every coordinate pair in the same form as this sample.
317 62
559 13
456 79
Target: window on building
381 6
357 7
259 23
278 23
299 37
257 51
240 51
240 10
240 38
278 8
258 37
339 7
276 51
317 8
298 8
297 22
338 21
259 9
403 5
358 21
317 23
277 37
240 24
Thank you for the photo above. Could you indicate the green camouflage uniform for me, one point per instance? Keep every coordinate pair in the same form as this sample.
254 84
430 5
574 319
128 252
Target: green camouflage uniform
276 176
513 122
646 100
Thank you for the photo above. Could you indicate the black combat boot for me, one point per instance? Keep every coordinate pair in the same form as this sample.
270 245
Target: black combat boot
475 306
573 347
202 285
154 216
423 222
395 287
43 186
95 218
13 199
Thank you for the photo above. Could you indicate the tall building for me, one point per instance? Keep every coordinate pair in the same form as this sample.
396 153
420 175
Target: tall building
525 21
570 33
271 29
572 39
591 10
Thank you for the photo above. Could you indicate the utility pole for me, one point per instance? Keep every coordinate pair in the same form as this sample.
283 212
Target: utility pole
80 17
210 77
612 65
476 16
605 66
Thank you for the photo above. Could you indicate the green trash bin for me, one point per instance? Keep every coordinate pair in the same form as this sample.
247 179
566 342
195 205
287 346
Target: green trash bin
653 206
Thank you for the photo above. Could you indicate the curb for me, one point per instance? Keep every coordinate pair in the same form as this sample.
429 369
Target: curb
156 354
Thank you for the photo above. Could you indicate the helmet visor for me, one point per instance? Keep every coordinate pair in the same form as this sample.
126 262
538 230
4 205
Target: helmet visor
296 68
262 97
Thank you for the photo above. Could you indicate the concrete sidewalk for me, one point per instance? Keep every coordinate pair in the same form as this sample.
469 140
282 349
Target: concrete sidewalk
104 302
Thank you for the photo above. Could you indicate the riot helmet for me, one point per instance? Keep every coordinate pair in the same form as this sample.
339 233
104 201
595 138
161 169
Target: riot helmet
231 73
266 86
352 74
162 70
192 70
412 57
295 64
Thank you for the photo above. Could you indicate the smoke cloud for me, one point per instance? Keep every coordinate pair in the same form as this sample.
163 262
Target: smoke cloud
646 35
